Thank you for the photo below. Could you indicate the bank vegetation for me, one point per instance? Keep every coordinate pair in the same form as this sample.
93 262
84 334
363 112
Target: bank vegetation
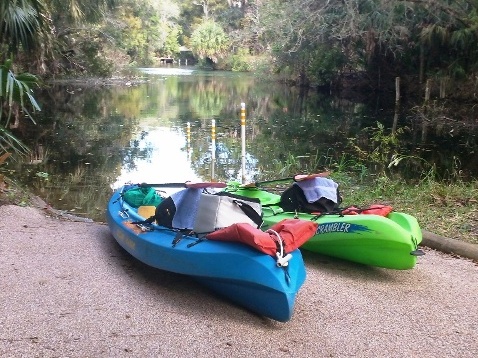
422 51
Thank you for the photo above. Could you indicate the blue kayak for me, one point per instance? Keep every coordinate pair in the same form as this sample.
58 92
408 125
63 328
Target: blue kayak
233 270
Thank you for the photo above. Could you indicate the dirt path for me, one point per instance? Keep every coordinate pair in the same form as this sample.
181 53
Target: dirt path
68 290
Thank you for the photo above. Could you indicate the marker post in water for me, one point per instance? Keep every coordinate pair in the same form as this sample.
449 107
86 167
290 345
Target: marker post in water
243 138
213 147
188 139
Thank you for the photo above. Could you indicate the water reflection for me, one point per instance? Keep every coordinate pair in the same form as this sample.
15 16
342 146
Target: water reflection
166 158
90 140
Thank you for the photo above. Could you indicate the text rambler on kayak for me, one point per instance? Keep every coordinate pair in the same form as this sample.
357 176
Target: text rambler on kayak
333 227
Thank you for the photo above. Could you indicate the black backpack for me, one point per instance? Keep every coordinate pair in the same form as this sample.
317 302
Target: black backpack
293 199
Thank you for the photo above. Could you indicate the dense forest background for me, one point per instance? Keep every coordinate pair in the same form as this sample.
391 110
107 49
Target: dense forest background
334 44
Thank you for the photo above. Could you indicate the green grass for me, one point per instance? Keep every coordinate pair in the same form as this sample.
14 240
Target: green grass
449 210
446 207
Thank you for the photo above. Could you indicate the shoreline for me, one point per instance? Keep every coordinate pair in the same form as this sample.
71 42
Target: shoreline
430 240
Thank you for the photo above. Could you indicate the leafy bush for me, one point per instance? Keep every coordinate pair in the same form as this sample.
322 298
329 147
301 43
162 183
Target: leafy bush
239 62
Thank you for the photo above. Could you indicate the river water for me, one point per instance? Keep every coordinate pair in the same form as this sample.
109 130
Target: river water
179 124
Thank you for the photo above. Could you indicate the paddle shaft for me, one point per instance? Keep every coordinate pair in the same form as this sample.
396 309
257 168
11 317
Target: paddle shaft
200 185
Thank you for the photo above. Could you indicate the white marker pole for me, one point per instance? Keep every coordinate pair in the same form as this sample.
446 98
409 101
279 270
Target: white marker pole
213 147
243 138
188 140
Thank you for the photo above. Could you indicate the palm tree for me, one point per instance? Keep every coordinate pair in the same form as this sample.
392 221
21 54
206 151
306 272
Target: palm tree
39 27
210 41
23 24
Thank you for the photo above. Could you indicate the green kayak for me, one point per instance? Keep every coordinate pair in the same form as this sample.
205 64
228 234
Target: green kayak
388 242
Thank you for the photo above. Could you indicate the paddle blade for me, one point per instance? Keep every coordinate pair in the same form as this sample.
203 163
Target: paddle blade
249 185
205 185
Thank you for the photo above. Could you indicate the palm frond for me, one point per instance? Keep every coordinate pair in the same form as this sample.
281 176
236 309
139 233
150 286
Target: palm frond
22 23
9 142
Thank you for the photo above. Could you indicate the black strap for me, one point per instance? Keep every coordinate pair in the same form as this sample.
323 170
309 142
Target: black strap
149 220
177 238
250 212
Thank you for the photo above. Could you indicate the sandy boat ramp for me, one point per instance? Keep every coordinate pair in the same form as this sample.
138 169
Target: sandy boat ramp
68 290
